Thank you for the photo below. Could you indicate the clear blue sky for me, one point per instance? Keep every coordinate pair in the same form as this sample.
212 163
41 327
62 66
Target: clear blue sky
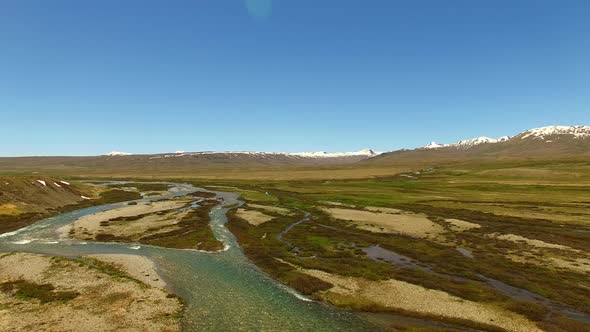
87 77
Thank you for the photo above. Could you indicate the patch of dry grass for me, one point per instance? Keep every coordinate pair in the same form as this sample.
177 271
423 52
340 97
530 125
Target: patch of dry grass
270 208
10 209
253 217
358 293
406 223
336 203
575 264
575 214
384 210
461 225
531 242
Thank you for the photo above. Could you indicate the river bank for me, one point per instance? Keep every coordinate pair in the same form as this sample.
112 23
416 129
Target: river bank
222 291
85 294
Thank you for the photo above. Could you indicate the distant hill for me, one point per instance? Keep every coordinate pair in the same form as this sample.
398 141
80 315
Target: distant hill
551 143
182 161
546 143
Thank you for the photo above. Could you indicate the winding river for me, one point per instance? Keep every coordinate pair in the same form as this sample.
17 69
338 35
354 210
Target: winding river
223 291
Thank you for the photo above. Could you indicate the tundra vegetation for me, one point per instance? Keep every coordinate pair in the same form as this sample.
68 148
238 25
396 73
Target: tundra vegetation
485 234
492 246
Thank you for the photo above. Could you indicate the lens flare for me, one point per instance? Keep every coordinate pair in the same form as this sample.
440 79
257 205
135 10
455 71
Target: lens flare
259 8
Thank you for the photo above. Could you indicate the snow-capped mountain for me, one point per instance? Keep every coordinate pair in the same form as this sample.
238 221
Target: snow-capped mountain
467 143
538 143
434 145
549 143
322 154
237 158
543 132
479 140
365 153
117 153
545 143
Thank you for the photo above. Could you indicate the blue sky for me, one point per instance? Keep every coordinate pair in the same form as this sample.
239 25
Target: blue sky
88 77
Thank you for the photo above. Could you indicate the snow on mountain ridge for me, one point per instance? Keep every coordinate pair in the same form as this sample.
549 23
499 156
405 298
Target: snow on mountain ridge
323 154
475 141
434 145
315 154
542 132
468 143
117 153
535 133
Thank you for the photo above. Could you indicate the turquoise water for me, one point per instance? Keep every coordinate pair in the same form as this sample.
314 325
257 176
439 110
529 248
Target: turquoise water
223 291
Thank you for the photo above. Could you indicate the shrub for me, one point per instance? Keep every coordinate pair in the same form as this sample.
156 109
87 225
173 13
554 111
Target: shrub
26 290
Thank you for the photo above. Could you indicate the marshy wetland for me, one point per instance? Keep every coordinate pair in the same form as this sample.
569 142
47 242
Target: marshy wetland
424 239
442 250
219 290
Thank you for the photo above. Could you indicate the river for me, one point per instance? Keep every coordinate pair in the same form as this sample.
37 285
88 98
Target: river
223 291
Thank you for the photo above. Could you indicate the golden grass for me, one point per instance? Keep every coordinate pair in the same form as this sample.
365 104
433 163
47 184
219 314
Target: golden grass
581 265
10 209
253 217
572 214
269 208
384 210
531 242
285 173
406 223
358 293
578 264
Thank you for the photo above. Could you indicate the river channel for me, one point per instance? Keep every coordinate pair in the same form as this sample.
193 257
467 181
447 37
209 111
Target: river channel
223 291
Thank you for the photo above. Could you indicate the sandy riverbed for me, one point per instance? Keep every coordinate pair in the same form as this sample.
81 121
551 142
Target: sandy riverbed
102 300
395 294
156 216
138 267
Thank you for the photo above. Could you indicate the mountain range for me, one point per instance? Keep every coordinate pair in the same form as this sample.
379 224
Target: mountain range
546 143
550 141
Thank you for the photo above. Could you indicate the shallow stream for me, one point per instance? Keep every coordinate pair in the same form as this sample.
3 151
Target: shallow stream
223 291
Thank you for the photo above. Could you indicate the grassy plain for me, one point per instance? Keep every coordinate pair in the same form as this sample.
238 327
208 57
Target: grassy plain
510 210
